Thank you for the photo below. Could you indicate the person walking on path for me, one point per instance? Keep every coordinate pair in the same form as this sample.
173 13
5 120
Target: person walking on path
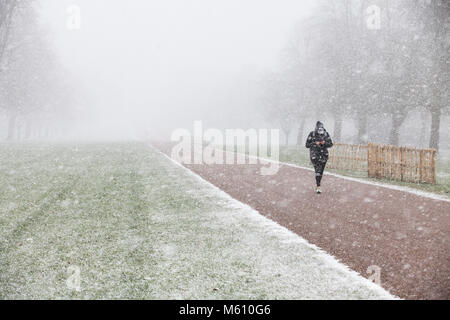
319 141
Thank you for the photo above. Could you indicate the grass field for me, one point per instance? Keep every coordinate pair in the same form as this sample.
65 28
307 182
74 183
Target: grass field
300 156
137 226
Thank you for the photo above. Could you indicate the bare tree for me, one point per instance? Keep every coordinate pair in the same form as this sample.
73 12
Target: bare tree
279 106
30 81
437 24
7 11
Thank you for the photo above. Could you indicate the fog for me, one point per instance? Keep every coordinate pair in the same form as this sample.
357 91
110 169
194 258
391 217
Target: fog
156 66
372 71
223 149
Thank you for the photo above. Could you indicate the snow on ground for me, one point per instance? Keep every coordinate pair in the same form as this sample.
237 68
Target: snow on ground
136 226
321 268
425 194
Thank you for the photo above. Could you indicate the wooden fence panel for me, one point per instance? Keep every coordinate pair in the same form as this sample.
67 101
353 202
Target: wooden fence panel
402 164
386 162
348 157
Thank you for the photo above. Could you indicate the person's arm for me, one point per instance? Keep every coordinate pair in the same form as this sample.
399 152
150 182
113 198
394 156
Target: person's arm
310 141
328 142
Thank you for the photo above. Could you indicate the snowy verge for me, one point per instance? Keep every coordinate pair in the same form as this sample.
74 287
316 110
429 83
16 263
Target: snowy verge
330 265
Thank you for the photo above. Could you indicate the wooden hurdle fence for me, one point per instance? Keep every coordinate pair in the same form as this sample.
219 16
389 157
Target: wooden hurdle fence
386 162
402 164
349 157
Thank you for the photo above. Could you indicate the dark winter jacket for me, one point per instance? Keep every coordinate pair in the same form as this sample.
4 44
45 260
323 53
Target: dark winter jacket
319 152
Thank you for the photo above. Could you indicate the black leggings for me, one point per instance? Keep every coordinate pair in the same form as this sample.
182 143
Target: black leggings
319 168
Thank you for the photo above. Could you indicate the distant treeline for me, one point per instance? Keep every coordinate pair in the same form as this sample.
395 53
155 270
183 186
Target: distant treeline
35 90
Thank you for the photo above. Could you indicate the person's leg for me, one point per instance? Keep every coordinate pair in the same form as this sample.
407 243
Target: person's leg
321 171
318 169
319 175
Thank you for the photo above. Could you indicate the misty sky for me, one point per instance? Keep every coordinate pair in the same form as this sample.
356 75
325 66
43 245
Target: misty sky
165 63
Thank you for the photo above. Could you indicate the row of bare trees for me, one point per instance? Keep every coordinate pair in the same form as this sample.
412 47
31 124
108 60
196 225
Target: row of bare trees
34 89
373 62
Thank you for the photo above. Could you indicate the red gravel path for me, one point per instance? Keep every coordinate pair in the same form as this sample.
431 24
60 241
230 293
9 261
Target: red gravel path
406 235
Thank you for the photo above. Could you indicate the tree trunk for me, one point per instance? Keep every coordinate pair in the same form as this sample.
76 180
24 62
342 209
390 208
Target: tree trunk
27 130
300 137
435 129
287 134
362 128
423 130
397 121
12 127
337 137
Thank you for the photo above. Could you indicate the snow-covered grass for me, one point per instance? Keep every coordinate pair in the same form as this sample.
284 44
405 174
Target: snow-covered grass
140 227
